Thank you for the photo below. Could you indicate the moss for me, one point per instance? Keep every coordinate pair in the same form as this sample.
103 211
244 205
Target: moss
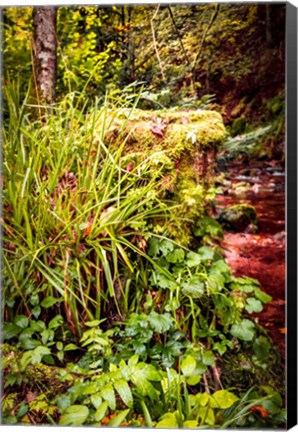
173 131
238 217
177 142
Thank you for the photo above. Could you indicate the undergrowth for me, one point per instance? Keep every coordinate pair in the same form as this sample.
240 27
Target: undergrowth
108 320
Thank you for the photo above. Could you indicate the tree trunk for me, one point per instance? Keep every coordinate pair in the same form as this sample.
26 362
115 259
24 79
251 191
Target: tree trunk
45 52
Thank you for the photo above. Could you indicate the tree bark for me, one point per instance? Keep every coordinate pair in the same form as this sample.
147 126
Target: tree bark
45 52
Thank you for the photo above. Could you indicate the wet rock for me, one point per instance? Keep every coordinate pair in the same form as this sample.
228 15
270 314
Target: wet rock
238 218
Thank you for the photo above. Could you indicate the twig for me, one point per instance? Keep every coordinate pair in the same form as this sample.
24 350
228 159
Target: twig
201 46
155 44
206 383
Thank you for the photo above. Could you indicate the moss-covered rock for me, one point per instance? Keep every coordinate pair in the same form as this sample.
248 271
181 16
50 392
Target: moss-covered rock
238 217
172 131
183 144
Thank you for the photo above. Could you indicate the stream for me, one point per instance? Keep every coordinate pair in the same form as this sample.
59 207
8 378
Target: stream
260 255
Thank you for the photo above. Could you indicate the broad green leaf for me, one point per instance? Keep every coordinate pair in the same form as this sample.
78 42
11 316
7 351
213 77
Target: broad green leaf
190 424
168 420
22 321
262 296
144 386
56 322
37 326
206 253
133 361
64 402
206 414
193 380
208 358
116 421
253 305
38 353
220 266
101 411
194 287
108 394
166 246
188 365
223 399
124 391
75 415
47 335
71 347
216 282
160 323
261 347
96 400
10 330
193 259
202 398
244 330
148 371
176 256
50 301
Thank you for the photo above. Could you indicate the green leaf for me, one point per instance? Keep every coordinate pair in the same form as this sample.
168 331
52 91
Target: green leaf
124 391
194 287
56 322
220 266
116 421
37 326
47 335
71 347
176 256
21 321
208 358
190 424
166 246
188 365
108 394
244 330
160 323
94 323
206 253
133 361
223 399
75 415
193 259
10 330
96 400
64 402
193 380
262 347
168 420
38 353
202 398
262 296
206 414
50 301
253 305
101 411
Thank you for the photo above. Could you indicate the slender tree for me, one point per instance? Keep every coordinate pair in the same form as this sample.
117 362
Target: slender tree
45 52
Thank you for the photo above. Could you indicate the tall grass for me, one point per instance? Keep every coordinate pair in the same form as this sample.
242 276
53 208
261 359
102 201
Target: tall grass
74 215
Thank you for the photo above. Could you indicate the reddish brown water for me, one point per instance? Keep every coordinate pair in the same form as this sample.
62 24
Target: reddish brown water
261 255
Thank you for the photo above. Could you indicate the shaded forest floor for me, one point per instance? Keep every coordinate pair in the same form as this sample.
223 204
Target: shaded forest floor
260 255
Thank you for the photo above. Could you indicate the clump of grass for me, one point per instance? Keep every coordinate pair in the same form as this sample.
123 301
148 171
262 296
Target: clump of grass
75 212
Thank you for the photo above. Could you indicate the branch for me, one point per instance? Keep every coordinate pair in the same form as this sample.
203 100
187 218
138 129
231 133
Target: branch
155 44
204 37
179 36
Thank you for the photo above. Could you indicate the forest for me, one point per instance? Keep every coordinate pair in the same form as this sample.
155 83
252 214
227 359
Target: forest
143 220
